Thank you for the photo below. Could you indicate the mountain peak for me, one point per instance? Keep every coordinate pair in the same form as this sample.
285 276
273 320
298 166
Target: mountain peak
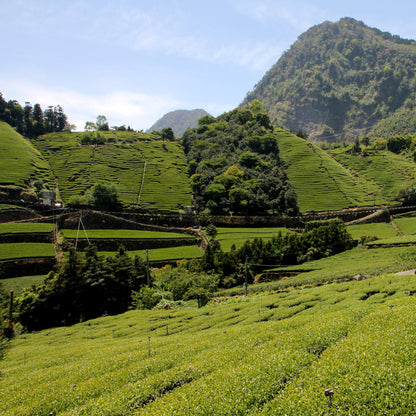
179 121
338 80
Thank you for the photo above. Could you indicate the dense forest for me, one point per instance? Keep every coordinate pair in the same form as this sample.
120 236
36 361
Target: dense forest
235 167
338 80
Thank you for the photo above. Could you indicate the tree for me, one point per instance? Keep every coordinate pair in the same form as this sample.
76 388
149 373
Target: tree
211 230
105 195
49 120
102 123
168 134
356 148
61 120
90 126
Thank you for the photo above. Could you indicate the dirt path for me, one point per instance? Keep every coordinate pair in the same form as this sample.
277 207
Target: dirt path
396 227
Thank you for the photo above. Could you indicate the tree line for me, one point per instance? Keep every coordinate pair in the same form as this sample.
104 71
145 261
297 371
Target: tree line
32 121
319 239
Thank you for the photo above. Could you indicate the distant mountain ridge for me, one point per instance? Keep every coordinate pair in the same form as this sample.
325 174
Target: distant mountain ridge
338 80
179 121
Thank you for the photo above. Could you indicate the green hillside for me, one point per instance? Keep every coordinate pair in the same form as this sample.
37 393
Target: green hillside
338 80
320 182
384 169
147 171
270 354
20 163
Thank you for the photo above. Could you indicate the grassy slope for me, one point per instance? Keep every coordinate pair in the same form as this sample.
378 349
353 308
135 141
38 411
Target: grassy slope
383 168
20 162
273 354
321 183
78 167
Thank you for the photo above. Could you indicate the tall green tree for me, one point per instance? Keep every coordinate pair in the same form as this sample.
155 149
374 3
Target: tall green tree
102 123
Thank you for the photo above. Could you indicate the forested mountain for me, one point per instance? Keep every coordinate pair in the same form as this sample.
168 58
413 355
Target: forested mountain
179 121
339 80
235 166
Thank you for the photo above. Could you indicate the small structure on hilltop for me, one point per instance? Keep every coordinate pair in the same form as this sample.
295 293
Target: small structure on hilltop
47 197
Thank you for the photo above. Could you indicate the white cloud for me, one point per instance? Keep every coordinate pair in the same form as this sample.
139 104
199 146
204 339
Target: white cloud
300 15
139 111
166 32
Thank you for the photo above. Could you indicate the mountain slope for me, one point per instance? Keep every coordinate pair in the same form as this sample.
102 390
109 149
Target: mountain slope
338 80
321 183
20 163
179 121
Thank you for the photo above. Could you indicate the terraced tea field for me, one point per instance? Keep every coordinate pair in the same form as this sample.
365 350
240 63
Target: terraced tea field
150 173
228 236
20 162
120 234
270 354
26 250
385 169
379 230
25 227
321 183
163 254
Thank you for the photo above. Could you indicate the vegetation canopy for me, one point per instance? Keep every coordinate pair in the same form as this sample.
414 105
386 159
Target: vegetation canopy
234 165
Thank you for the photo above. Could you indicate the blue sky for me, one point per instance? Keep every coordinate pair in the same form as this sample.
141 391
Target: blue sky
133 61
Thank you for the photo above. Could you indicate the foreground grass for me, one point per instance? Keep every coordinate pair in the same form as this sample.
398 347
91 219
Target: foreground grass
273 354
